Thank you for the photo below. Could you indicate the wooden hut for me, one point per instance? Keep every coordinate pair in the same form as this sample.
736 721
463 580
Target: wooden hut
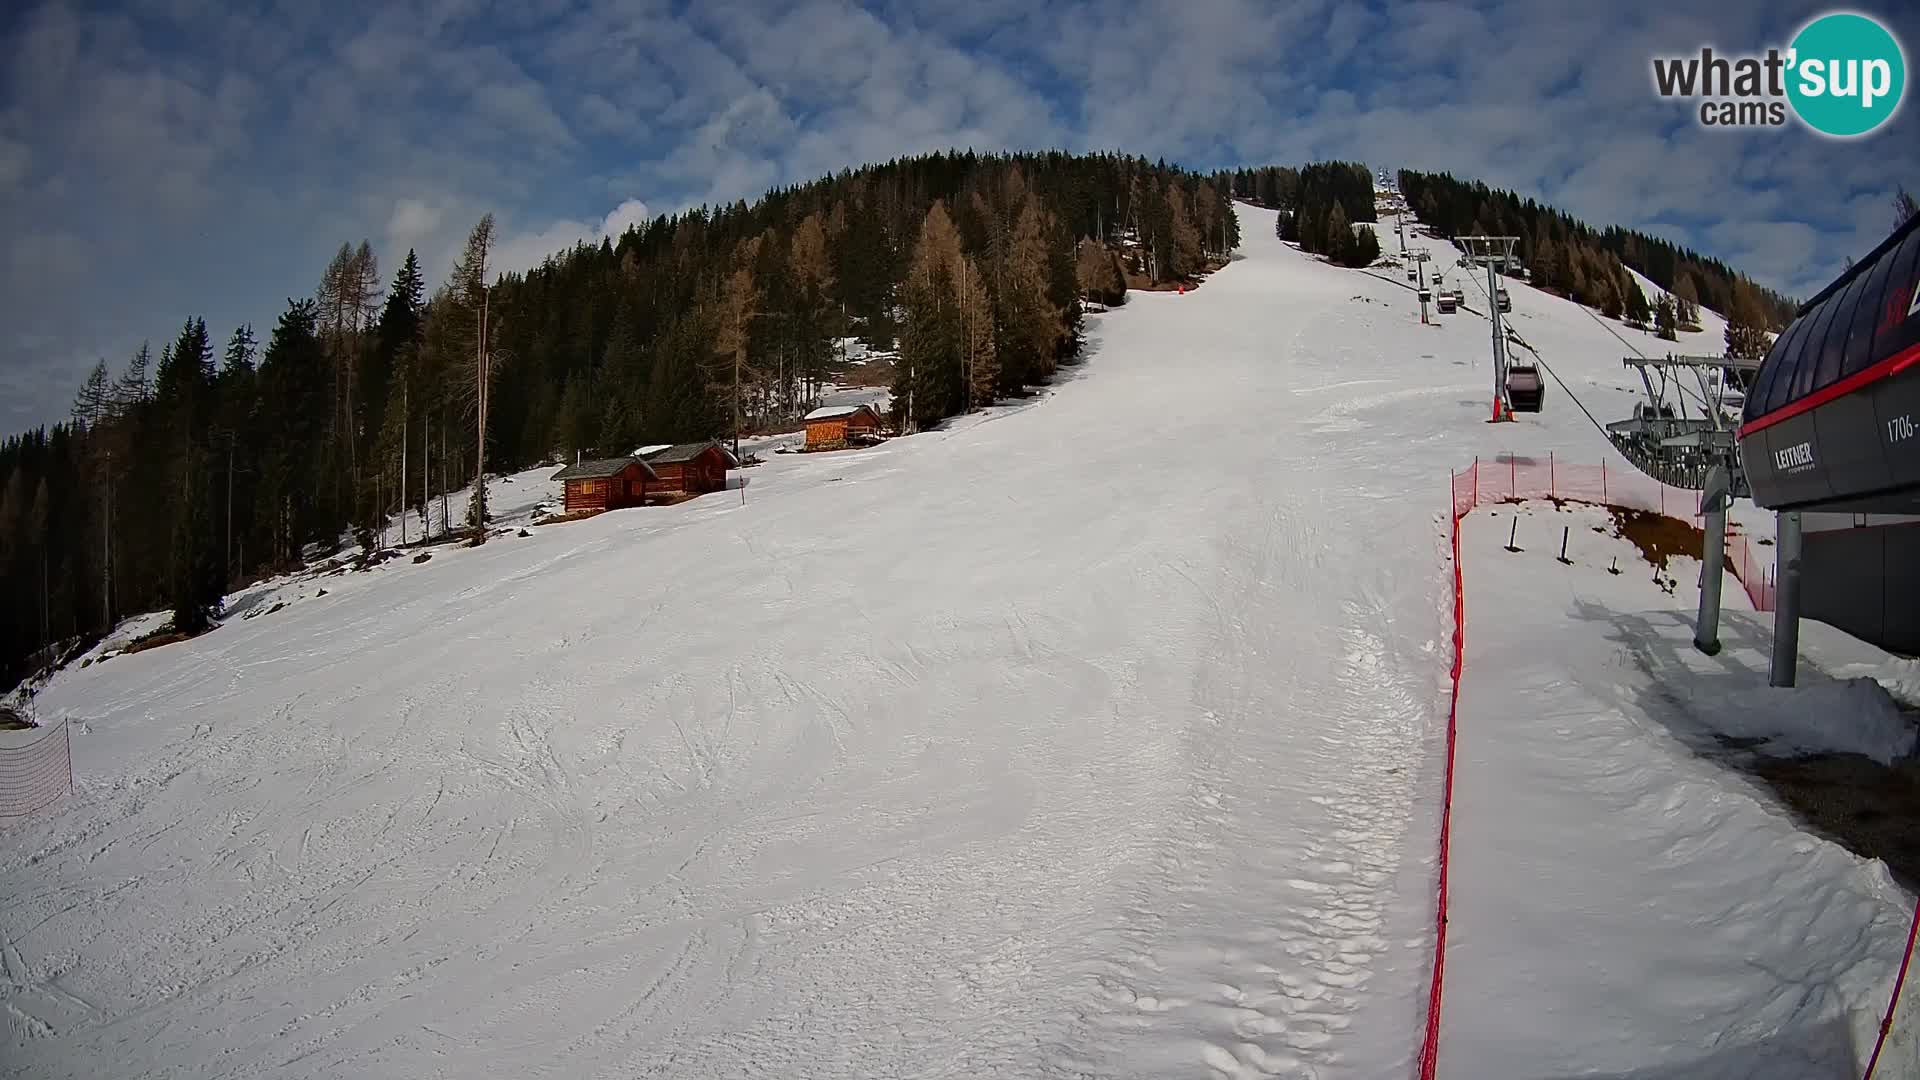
607 483
831 427
691 468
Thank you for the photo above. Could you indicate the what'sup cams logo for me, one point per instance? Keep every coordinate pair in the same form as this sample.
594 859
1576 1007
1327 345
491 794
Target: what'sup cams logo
1843 76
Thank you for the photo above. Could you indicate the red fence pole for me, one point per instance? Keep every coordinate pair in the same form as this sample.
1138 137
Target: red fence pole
1515 463
1476 482
1886 1022
1553 486
1603 479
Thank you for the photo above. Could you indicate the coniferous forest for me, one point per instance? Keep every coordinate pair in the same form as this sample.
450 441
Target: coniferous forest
201 461
215 456
1572 258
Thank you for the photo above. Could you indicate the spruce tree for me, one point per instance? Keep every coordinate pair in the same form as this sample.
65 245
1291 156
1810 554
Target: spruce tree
1339 235
1663 318
1636 301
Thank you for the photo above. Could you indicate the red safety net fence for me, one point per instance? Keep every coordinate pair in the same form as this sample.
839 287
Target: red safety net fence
1515 477
36 773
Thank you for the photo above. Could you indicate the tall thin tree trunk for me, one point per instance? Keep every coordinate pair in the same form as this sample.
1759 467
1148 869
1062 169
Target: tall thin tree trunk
228 553
106 551
403 465
478 506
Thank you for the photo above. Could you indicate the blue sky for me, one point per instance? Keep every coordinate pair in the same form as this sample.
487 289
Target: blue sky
167 158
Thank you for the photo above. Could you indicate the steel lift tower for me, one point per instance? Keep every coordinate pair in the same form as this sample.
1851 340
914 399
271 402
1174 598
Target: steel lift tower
1493 252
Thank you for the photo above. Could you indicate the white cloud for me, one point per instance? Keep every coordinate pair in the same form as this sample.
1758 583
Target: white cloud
520 251
240 163
413 222
15 159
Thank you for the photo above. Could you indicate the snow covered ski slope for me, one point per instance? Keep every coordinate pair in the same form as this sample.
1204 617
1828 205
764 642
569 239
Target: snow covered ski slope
1096 735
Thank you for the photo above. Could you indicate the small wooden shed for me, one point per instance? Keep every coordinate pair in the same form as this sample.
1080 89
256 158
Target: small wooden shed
831 427
692 468
607 483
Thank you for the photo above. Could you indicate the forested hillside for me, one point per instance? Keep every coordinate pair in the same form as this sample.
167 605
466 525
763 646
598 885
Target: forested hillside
1582 262
204 465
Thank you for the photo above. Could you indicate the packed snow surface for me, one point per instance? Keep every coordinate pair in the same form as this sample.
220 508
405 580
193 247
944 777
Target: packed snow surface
1093 735
1622 903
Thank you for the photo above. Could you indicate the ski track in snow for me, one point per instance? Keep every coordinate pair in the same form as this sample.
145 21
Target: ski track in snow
1096 736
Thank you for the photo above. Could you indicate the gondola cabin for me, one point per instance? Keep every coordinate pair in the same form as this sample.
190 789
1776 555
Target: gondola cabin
689 468
1448 305
1525 389
832 427
605 483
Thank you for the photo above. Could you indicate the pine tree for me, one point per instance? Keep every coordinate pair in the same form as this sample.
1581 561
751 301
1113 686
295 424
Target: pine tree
1608 285
1364 249
979 355
1746 333
183 391
470 284
1185 256
1097 274
1663 318
1544 265
94 403
930 371
133 388
1637 311
241 349
1686 303
1032 327
1338 245
810 266
738 304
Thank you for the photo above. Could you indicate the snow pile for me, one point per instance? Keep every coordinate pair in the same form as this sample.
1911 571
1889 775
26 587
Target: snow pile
1898 675
1854 716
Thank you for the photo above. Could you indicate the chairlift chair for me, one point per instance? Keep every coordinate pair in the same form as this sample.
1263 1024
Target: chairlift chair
1506 302
1525 389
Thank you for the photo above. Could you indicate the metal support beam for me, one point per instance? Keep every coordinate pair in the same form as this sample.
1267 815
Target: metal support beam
1494 251
1786 606
1713 558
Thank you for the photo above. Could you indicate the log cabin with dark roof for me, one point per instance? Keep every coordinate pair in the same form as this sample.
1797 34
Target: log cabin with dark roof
690 468
607 483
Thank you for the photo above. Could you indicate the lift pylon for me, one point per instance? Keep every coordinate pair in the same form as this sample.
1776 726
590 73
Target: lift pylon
1493 252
